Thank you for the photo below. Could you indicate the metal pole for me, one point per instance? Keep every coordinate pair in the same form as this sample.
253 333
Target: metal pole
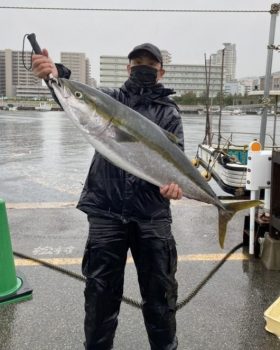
274 12
252 224
208 126
275 120
221 98
267 202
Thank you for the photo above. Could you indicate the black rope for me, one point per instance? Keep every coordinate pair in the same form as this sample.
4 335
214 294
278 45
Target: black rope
130 301
128 10
22 55
72 274
207 278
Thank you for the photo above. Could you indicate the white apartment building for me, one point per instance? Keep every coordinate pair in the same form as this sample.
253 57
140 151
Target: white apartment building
229 61
79 65
113 72
32 91
13 73
234 88
250 83
182 78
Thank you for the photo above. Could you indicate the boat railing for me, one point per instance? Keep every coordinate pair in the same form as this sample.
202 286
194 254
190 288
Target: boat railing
228 139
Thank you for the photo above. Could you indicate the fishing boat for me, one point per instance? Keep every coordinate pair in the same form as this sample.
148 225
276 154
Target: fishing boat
225 161
44 107
224 158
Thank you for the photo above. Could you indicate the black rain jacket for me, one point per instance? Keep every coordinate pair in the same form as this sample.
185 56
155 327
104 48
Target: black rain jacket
112 192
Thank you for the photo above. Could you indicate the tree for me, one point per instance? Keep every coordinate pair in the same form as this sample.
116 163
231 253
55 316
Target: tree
187 99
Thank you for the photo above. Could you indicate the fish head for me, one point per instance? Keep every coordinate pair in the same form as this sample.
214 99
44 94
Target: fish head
74 95
80 102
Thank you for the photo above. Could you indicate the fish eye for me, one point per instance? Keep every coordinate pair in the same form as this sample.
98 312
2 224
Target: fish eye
78 94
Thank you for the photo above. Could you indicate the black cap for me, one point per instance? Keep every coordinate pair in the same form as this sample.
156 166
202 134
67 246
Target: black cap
152 49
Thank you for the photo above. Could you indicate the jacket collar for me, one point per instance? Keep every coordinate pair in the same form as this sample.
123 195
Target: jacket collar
153 93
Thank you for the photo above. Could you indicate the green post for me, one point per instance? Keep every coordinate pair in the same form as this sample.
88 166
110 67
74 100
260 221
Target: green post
12 288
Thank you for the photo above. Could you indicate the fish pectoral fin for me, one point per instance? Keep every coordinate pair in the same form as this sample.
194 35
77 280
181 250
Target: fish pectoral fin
123 136
171 137
226 214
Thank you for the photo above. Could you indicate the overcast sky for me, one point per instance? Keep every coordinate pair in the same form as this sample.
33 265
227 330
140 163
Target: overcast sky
187 36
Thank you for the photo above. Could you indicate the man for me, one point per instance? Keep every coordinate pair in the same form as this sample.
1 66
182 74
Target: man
127 212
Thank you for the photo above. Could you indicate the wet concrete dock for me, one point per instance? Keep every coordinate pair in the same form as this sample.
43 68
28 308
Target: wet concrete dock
227 313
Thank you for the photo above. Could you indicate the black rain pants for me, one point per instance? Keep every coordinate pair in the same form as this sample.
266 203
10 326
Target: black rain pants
154 252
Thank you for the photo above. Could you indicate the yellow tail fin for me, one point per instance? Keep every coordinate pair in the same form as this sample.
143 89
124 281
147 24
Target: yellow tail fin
226 215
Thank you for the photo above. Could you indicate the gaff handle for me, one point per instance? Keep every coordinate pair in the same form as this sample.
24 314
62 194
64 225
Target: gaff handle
34 43
36 48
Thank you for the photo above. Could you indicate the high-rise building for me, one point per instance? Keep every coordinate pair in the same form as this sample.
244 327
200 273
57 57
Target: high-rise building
229 61
79 65
2 74
13 73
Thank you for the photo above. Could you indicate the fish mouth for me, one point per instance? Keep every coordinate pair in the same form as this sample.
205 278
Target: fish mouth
61 86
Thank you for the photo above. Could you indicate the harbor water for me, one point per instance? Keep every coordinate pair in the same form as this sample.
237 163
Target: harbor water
44 158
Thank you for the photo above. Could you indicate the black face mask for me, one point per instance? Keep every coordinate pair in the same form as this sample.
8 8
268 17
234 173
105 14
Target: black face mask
144 76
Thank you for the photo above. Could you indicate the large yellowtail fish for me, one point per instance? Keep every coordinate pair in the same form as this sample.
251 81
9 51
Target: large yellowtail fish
132 142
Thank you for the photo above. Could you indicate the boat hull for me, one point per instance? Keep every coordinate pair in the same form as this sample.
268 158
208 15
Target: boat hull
230 175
